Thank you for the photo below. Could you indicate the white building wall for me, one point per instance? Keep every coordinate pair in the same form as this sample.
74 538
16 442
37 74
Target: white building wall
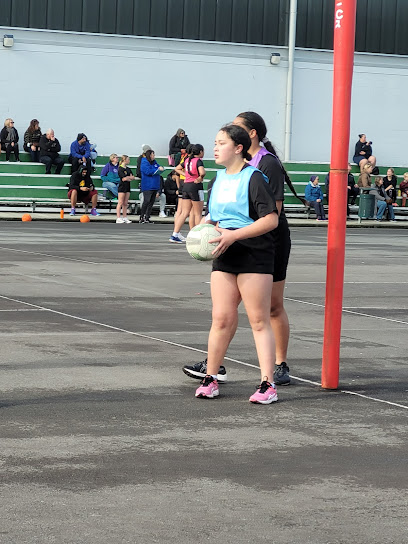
127 91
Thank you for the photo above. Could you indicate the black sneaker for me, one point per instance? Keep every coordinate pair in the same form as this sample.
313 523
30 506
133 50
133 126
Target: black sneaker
199 371
281 374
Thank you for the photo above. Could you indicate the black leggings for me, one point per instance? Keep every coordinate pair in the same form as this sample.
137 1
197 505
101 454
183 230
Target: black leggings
148 200
10 149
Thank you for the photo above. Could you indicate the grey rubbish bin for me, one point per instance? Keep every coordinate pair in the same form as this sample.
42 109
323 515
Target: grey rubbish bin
367 206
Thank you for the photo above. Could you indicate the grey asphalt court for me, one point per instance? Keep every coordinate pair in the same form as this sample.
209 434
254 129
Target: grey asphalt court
102 440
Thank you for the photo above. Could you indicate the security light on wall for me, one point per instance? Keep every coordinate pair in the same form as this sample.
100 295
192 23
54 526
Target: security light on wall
8 40
275 59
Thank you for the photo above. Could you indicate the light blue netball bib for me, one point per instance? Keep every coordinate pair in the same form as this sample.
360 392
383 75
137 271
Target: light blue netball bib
229 202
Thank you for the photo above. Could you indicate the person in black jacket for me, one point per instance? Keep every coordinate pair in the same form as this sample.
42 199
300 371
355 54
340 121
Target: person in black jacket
171 188
363 152
178 145
390 185
9 139
82 189
32 138
49 152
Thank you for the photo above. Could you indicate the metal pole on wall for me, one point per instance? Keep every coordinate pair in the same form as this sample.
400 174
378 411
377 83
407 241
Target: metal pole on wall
289 85
343 61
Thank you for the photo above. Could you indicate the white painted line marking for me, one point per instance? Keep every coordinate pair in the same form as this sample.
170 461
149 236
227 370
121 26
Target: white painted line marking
48 255
350 311
24 310
190 348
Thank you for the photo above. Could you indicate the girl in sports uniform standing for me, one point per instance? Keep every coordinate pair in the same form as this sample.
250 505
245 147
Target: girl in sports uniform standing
264 158
243 206
193 191
126 176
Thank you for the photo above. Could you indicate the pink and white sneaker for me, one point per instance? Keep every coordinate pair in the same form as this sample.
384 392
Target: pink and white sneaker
264 394
208 388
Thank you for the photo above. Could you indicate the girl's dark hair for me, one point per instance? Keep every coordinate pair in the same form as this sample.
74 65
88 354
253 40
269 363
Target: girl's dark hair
188 149
31 128
240 137
195 149
149 154
361 135
253 121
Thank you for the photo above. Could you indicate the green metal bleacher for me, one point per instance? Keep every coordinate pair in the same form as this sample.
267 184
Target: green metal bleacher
26 184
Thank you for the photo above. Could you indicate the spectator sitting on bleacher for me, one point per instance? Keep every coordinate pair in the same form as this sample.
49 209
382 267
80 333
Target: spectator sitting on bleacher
390 185
80 153
82 189
177 146
145 148
9 139
384 202
363 152
170 188
150 184
32 140
110 176
404 189
314 195
364 179
49 152
352 189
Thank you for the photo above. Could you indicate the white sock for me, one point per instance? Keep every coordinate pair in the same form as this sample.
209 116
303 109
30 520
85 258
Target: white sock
176 234
214 376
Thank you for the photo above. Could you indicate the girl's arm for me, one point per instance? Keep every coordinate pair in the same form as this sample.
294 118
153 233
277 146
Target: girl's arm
179 170
201 175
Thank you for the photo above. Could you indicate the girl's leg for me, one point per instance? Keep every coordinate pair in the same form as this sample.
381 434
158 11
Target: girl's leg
256 293
121 197
225 300
197 212
182 216
279 322
125 204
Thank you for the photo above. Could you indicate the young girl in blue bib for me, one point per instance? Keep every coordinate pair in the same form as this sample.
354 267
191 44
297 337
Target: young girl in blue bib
243 208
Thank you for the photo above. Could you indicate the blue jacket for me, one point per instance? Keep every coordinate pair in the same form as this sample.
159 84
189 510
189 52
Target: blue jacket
79 151
312 192
110 171
150 179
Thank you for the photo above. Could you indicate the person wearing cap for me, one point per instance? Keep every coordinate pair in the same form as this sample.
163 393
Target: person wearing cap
145 148
82 189
80 153
314 195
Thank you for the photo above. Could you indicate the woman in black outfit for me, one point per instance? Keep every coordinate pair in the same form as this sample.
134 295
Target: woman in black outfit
177 145
9 139
390 185
364 153
32 140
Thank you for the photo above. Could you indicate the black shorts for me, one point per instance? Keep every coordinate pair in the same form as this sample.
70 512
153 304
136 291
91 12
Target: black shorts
282 250
124 187
193 191
240 258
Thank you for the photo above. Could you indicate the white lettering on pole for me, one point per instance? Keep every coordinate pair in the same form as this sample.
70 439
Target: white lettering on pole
339 14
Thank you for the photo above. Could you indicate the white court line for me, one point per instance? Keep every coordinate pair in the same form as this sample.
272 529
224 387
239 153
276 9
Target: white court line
190 348
24 310
48 255
349 311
